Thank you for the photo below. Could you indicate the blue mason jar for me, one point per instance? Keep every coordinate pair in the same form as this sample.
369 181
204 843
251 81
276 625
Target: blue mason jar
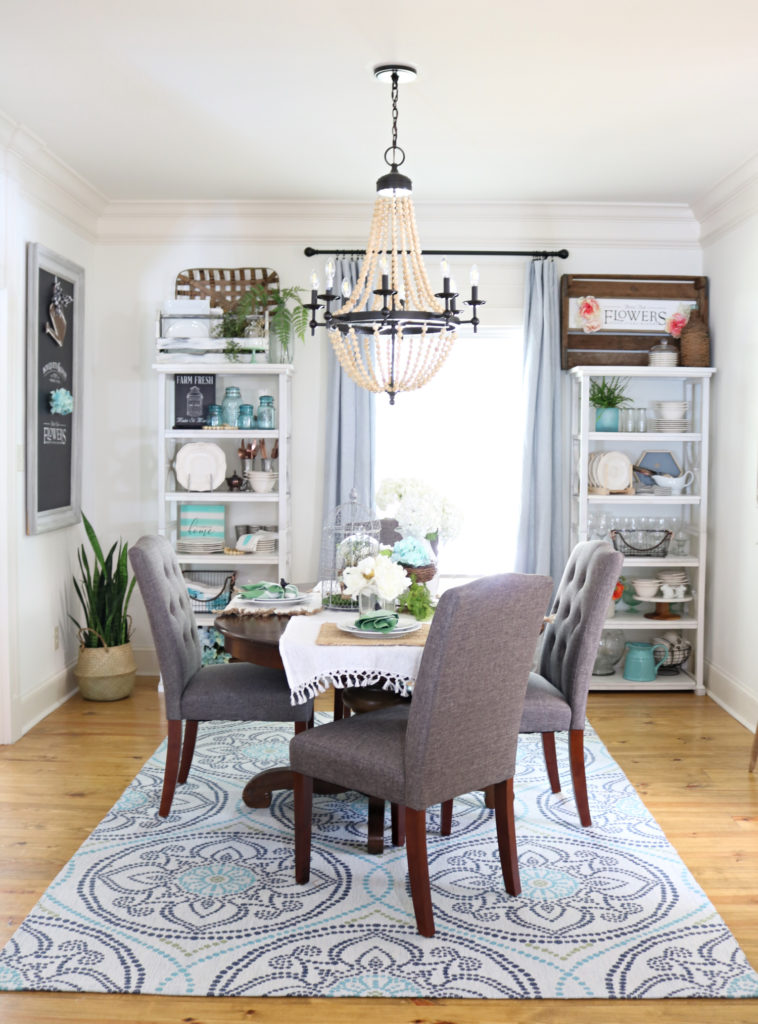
246 418
230 406
213 418
266 413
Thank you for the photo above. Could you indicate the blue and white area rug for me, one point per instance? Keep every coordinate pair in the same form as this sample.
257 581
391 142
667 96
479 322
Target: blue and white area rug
205 903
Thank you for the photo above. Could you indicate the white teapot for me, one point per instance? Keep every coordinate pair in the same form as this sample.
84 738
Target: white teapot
676 484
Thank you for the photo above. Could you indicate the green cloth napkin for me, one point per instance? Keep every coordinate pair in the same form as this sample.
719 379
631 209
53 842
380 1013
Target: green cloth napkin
273 590
377 622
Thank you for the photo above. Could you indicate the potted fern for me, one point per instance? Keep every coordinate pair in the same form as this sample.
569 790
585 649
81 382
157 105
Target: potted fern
286 314
106 669
607 396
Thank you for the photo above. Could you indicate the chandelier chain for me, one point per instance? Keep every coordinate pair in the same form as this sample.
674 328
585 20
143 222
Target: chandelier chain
395 162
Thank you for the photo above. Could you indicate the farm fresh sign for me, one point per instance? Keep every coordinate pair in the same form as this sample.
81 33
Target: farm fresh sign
636 316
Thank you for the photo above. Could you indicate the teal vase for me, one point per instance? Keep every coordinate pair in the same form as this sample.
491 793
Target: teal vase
607 419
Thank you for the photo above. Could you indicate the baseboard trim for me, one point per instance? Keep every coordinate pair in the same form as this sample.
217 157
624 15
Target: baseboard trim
731 695
146 660
33 707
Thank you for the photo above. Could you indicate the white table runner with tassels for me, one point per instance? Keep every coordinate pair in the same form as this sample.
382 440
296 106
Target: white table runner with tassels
311 669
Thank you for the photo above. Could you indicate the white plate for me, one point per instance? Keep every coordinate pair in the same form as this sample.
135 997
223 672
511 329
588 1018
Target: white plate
614 471
201 465
406 624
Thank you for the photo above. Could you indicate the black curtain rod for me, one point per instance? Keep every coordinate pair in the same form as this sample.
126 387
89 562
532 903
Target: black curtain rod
562 254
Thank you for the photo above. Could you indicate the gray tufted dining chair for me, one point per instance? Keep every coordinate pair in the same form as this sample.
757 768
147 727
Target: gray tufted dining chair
236 692
459 733
556 695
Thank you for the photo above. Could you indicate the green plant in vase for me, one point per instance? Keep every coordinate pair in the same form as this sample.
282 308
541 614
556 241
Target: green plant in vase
607 395
287 316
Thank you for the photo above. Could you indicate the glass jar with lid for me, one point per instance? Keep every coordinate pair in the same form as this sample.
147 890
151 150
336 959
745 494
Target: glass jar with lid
214 417
663 354
246 419
266 418
230 406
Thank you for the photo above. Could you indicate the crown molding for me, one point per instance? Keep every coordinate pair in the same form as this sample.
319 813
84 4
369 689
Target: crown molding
329 224
48 180
729 202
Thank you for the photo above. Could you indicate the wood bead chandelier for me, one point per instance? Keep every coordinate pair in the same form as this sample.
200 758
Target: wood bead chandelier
392 333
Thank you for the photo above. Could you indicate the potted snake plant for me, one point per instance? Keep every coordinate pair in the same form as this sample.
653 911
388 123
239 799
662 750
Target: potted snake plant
106 669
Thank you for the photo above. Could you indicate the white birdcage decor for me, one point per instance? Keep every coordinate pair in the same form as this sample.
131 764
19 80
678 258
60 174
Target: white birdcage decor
350 534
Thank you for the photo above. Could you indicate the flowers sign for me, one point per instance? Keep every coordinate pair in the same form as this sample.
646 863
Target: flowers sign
632 316
377 575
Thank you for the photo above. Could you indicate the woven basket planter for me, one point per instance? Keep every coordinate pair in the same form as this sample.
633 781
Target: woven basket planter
106 673
423 573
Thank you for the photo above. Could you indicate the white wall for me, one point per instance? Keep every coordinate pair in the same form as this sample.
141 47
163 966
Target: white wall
36 592
730 257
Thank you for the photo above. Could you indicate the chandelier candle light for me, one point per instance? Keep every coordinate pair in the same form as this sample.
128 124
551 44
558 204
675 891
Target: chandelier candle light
392 333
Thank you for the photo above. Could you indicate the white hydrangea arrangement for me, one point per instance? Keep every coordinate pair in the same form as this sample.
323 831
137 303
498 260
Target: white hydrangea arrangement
376 575
421 511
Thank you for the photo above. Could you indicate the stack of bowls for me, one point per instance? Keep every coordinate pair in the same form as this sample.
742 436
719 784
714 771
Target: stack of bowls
261 482
670 417
646 588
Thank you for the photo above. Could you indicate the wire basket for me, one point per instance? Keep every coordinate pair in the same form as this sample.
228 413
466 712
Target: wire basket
671 661
221 585
642 543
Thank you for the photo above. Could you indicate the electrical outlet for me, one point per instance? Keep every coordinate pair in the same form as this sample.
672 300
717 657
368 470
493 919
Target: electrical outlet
56 638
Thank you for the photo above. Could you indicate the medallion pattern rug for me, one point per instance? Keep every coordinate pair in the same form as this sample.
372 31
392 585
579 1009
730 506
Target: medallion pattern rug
205 903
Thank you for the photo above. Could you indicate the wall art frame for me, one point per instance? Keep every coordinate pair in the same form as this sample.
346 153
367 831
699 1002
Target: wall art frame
631 315
54 354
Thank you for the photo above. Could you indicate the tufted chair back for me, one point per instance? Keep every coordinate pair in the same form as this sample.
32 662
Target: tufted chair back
172 621
464 718
580 607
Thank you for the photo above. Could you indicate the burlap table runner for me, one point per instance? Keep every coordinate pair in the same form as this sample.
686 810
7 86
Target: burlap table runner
330 635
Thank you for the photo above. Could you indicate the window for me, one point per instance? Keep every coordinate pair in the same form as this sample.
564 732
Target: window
462 434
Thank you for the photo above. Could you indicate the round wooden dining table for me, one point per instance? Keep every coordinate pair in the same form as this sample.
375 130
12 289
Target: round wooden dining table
256 639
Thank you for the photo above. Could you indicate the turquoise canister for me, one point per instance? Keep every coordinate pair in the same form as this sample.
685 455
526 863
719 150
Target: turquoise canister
640 665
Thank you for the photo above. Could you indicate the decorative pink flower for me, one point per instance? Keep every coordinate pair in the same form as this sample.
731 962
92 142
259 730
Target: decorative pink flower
675 323
589 312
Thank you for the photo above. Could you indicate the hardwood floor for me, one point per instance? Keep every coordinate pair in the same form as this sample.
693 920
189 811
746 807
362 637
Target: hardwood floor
687 758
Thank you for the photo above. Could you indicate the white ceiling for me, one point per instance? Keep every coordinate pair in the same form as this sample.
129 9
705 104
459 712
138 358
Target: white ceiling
274 99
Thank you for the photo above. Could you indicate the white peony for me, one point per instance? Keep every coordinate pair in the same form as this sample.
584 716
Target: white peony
375 575
390 579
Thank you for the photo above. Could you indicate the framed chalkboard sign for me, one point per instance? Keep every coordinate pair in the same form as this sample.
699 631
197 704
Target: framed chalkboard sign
54 319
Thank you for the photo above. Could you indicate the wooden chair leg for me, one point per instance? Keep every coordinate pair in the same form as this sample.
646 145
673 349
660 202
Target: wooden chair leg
375 843
446 818
578 777
301 727
754 751
188 749
506 836
303 791
551 761
397 814
172 765
489 797
340 711
418 870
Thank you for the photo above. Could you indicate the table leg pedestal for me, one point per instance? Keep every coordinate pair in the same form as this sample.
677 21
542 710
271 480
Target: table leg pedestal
258 791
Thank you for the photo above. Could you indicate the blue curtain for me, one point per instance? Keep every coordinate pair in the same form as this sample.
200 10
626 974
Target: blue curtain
542 545
350 426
